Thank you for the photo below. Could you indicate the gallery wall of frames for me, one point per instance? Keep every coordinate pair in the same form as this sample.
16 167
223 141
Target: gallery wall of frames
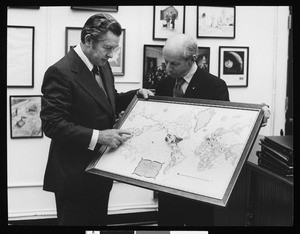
242 45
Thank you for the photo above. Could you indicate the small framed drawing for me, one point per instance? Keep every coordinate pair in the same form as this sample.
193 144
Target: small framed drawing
167 21
233 65
154 67
20 56
96 8
25 119
25 7
203 58
215 22
72 37
117 63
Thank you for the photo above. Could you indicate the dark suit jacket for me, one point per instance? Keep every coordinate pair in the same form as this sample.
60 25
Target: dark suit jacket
203 85
72 106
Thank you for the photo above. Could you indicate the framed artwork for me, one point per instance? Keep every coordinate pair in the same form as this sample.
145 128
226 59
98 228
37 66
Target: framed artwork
203 58
154 67
25 119
20 56
72 37
193 148
25 7
233 65
168 21
215 22
117 63
96 8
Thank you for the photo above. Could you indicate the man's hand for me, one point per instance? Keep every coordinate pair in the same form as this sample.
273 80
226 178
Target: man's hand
267 114
145 93
113 137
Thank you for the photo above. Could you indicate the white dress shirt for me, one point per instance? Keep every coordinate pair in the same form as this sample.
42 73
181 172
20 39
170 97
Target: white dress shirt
188 77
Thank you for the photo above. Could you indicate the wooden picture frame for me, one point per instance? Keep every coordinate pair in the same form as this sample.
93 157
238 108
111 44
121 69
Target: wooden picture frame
216 22
117 63
233 65
20 56
203 58
72 37
188 147
154 67
168 21
96 8
25 7
25 119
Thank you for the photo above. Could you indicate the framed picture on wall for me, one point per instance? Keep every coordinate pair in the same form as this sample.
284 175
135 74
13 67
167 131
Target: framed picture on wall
215 22
117 63
188 147
25 7
168 21
154 67
20 56
203 58
25 119
233 65
72 37
96 8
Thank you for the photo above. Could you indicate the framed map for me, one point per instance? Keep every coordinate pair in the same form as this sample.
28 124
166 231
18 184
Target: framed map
189 147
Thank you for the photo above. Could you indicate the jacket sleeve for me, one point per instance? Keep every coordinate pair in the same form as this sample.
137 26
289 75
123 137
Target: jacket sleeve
124 99
57 104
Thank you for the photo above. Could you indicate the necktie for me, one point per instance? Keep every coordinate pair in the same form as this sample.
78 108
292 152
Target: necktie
96 73
177 91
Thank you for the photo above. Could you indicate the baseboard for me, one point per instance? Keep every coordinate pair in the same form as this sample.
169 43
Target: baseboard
130 219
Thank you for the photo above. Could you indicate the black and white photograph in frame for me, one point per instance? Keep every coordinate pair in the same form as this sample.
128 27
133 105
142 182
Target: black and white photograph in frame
154 67
233 65
25 119
168 21
215 22
203 58
96 8
117 62
20 56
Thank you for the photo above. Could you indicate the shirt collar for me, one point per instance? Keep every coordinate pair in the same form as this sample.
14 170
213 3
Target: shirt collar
83 57
191 73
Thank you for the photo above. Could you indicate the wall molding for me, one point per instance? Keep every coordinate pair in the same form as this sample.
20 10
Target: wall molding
51 214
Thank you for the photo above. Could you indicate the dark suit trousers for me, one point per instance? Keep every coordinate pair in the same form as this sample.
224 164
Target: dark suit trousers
178 211
82 212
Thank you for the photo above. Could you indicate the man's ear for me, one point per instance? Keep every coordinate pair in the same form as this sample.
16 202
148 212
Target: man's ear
88 40
194 57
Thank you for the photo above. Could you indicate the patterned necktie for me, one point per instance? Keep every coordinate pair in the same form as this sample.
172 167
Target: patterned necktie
96 73
177 91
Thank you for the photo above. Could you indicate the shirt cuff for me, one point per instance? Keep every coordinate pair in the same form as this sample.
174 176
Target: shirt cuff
94 140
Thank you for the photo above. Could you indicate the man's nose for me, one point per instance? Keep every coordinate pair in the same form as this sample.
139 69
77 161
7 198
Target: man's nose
110 54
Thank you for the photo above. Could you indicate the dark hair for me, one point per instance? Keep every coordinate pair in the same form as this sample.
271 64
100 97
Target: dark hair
98 25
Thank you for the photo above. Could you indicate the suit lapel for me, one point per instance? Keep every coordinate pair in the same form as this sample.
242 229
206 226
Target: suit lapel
108 81
86 80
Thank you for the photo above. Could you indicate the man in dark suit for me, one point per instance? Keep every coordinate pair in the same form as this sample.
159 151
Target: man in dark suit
79 109
187 80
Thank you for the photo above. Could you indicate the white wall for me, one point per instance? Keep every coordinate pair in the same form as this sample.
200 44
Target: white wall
263 29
